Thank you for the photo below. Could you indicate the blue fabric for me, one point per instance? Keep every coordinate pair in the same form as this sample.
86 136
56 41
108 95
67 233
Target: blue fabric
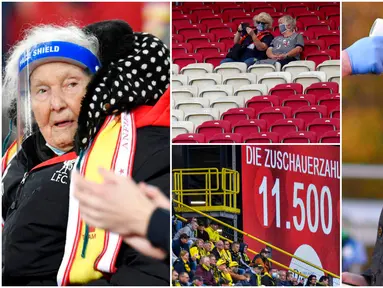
55 150
60 50
249 61
366 55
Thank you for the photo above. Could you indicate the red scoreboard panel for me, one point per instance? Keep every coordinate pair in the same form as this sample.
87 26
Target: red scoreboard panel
291 199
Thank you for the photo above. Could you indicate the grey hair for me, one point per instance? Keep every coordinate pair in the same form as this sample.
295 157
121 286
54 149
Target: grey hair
289 20
266 18
34 36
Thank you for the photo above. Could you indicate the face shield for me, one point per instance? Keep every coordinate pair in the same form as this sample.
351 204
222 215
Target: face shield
55 51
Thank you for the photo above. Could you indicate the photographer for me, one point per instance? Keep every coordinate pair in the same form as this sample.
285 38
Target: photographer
250 45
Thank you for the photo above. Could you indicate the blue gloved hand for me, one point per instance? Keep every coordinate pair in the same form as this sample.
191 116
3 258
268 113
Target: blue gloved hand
366 55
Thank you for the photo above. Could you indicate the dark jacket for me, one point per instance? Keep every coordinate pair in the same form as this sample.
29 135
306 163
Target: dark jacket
208 278
36 214
179 266
267 280
178 246
203 235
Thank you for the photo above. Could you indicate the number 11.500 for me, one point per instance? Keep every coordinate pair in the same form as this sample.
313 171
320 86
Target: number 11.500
311 195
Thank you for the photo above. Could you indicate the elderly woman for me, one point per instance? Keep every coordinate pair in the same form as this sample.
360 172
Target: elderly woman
88 98
250 45
285 48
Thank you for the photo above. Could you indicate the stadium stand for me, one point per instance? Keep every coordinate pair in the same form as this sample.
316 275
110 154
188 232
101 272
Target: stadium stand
300 93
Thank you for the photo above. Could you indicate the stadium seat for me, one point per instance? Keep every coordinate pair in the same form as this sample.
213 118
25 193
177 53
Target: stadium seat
263 137
296 67
210 128
231 68
274 78
184 59
227 102
299 137
335 113
330 137
309 113
311 77
297 101
181 20
328 7
323 88
321 56
226 138
210 20
323 125
189 138
272 114
335 79
175 69
216 29
182 127
293 8
328 36
285 126
213 92
236 114
179 80
195 69
258 103
205 48
313 46
307 35
284 90
191 30
189 104
198 116
308 17
261 69
184 91
177 38
246 127
264 8
249 91
237 80
207 79
177 115
331 101
202 38
214 58
321 26
330 67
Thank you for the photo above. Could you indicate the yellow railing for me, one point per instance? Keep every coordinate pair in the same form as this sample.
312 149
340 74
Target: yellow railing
217 193
261 241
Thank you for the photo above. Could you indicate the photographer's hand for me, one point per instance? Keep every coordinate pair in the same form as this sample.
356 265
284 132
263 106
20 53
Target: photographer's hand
239 27
250 31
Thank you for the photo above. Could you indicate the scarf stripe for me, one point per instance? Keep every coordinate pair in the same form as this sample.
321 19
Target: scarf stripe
113 148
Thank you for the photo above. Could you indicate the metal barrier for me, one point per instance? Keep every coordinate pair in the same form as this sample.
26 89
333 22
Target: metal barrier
218 192
328 273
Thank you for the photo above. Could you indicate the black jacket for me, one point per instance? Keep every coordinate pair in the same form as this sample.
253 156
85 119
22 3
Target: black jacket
36 212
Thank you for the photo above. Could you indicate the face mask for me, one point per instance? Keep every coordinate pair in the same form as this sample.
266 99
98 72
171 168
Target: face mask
282 28
274 275
260 27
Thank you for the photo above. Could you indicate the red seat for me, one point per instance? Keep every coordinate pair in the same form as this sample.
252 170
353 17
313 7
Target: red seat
310 113
336 48
214 58
191 30
209 47
328 8
295 8
284 90
228 41
226 138
328 35
181 20
323 125
265 8
322 88
335 113
202 38
209 20
307 34
182 47
216 29
313 46
299 137
265 137
272 114
258 103
321 26
189 138
229 13
236 114
320 56
177 38
297 101
176 13
307 17
246 127
330 137
331 101
183 60
212 127
285 126
202 11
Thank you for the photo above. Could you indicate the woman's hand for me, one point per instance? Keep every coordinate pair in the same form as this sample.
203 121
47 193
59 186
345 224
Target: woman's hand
354 279
366 55
240 27
250 31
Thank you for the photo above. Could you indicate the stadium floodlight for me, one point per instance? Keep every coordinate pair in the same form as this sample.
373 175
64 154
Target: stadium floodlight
197 202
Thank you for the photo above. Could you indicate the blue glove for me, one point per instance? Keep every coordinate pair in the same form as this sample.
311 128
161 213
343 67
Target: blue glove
366 55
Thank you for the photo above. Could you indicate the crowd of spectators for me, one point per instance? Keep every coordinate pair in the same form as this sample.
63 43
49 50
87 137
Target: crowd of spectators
201 257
